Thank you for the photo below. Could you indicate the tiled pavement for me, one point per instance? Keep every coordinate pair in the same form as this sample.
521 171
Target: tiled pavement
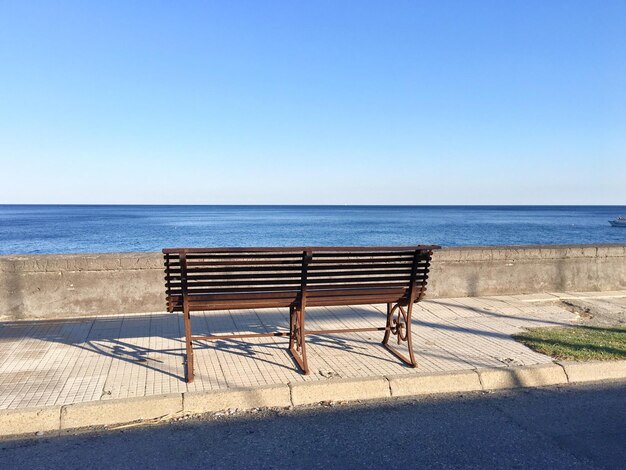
71 361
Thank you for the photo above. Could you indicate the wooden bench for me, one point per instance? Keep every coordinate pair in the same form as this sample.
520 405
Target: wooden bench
200 279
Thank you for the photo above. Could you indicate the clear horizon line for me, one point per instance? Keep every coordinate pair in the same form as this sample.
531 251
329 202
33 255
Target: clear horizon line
312 205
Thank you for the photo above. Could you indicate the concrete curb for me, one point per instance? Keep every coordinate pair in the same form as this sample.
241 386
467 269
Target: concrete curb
30 420
242 399
115 412
108 412
593 371
539 375
368 388
442 382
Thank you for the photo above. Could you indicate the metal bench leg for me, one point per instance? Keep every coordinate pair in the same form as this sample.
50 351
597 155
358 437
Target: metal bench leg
189 346
401 328
388 325
297 344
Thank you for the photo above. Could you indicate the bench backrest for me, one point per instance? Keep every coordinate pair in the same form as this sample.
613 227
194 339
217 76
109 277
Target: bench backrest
233 278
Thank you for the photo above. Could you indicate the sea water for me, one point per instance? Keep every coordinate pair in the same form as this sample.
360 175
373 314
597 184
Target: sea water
97 229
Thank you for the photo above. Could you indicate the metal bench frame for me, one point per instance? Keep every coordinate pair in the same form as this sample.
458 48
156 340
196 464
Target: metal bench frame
199 279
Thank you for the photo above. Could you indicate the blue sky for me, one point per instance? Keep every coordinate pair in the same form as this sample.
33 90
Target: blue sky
313 102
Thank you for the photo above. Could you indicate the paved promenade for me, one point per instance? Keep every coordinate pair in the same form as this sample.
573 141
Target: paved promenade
72 361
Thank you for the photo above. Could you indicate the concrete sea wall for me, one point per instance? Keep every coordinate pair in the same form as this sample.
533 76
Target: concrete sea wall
56 286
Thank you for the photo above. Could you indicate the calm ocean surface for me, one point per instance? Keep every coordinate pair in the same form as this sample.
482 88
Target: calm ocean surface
75 229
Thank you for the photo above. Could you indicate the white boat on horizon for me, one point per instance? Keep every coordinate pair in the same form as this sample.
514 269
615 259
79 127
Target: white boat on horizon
619 222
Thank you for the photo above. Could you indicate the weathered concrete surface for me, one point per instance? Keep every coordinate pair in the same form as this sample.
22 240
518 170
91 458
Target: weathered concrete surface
243 399
369 388
594 370
443 382
598 311
29 420
478 271
539 375
107 412
56 286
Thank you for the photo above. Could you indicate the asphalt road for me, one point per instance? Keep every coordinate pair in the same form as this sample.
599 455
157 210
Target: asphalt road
569 427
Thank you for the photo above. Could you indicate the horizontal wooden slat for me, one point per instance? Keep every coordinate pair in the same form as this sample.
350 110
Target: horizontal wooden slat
365 265
282 279
208 277
277 288
365 300
356 260
356 279
241 276
363 273
276 282
266 265
301 248
243 305
248 289
369 254
241 256
251 296
344 292
253 267
295 270
327 292
246 268
176 290
283 303
203 263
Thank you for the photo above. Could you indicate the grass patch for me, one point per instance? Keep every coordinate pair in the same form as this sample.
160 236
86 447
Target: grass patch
577 343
